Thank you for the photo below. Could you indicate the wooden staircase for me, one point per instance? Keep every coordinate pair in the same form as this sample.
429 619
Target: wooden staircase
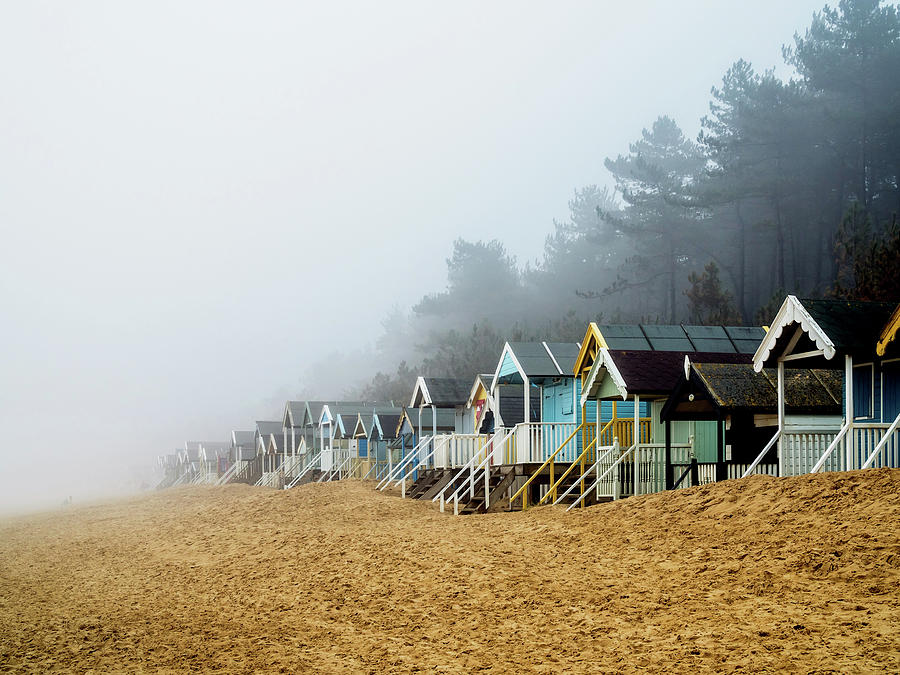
311 476
499 481
542 483
429 483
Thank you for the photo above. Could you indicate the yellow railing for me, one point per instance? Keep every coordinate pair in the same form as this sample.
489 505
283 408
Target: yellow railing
582 460
621 428
523 491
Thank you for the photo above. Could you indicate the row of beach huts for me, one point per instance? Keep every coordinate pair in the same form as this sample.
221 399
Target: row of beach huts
629 410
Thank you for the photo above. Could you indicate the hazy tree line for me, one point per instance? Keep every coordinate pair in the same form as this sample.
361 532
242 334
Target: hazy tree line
791 186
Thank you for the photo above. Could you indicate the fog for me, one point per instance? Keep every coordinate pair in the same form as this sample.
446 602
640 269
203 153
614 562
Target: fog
204 204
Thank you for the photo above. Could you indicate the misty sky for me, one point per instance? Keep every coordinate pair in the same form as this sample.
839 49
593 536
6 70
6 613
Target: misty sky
198 200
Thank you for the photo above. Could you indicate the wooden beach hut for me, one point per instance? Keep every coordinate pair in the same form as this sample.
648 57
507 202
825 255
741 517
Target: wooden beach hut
244 465
858 339
618 424
382 434
294 439
745 403
360 433
214 460
335 453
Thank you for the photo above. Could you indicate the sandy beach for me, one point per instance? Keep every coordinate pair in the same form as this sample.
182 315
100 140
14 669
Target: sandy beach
763 574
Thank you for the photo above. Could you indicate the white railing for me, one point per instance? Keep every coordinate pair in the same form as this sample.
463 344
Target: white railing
606 456
743 470
309 467
801 450
483 453
606 471
412 456
184 478
415 467
228 475
291 466
650 464
455 450
339 472
536 441
477 472
759 458
877 445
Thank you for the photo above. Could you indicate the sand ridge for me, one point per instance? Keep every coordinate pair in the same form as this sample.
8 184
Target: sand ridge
796 574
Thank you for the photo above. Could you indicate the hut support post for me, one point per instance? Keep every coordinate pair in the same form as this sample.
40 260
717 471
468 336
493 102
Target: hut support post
670 479
780 417
637 443
721 472
851 413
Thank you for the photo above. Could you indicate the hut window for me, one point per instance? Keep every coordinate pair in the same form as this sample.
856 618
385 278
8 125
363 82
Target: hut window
863 391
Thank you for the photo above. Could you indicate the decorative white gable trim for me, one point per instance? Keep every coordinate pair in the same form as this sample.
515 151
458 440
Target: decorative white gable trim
792 312
603 361
426 395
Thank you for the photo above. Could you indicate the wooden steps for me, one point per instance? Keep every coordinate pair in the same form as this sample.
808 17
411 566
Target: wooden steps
501 477
428 479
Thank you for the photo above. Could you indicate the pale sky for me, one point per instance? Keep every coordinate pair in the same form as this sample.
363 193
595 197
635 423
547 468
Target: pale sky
194 194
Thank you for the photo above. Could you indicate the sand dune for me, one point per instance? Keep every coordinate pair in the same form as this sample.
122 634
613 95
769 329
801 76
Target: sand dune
764 574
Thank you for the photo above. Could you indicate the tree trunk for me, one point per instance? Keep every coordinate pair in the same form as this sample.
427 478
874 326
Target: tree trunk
742 264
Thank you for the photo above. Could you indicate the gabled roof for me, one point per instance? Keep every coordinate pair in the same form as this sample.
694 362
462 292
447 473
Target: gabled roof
814 332
362 425
211 450
265 427
312 411
293 414
275 443
646 373
443 418
333 409
482 383
537 361
345 424
441 392
384 425
243 438
674 338
713 390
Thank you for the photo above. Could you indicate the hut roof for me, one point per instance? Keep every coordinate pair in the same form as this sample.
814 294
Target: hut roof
733 387
441 392
832 327
264 427
244 438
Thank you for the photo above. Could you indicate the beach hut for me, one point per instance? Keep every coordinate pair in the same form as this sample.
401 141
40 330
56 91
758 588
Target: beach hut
214 460
266 452
745 404
382 434
335 453
440 393
293 437
360 433
245 468
625 373
858 339
543 410
168 465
